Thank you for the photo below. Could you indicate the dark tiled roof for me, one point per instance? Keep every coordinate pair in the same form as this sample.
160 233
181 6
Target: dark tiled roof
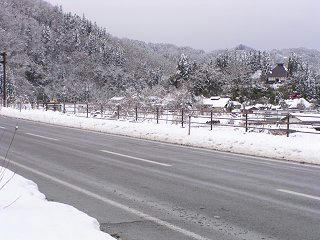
279 71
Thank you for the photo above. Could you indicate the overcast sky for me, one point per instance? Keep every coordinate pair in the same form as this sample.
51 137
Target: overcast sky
207 24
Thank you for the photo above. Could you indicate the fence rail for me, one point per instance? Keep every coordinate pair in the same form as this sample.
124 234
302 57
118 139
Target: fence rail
275 122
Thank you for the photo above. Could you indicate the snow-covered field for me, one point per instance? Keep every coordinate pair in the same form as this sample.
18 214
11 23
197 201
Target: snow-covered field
25 214
298 147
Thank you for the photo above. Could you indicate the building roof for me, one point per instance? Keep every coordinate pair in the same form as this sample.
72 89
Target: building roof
116 99
302 117
279 71
216 102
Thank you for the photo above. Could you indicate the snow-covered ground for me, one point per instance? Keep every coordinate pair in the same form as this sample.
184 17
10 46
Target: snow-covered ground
299 147
25 214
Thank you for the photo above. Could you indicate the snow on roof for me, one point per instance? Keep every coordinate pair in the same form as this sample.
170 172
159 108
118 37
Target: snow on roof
275 107
216 102
250 107
315 118
294 103
206 101
117 98
257 107
235 103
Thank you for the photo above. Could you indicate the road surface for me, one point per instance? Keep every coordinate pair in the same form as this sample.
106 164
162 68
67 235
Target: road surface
144 190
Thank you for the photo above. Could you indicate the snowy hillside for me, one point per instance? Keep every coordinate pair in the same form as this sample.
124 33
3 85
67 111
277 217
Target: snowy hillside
58 55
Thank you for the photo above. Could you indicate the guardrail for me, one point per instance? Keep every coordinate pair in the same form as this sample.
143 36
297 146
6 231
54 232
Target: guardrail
275 122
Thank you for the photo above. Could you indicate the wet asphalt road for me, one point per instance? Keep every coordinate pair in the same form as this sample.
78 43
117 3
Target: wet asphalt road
144 190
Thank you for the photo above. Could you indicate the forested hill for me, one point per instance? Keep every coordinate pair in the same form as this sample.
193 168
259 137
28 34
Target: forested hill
60 55
52 50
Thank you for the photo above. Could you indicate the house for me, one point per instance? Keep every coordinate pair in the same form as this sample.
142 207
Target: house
278 75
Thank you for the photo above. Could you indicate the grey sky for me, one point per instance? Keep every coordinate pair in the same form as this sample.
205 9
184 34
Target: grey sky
207 24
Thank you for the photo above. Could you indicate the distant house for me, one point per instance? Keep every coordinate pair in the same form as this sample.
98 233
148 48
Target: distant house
278 75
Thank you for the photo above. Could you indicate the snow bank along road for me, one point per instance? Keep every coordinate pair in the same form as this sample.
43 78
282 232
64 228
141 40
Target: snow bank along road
299 147
25 214
145 190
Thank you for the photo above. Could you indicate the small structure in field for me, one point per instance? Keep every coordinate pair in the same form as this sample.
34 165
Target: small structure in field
116 100
310 119
217 103
254 108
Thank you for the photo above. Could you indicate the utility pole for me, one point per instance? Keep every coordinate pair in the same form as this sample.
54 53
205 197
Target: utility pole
4 81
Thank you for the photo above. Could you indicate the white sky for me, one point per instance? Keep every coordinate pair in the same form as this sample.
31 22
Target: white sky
207 24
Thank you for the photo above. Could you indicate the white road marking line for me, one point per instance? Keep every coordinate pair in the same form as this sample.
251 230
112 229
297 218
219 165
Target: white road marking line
136 158
299 194
39 136
112 203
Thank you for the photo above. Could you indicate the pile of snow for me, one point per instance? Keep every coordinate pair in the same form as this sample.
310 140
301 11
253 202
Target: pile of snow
299 103
298 147
26 214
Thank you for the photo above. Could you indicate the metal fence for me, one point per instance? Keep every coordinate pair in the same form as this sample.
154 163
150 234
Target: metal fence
275 122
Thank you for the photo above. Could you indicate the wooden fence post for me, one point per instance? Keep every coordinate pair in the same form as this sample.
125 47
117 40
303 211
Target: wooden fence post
182 117
46 106
246 122
74 108
87 110
189 130
64 107
136 111
118 112
157 115
211 122
288 124
101 109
